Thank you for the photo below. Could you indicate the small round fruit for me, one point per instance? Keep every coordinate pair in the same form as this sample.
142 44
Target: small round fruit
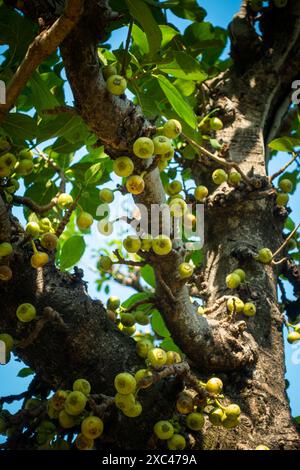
105 263
134 411
163 430
201 192
84 443
116 84
185 403
127 319
189 221
135 184
262 447
6 273
92 427
162 145
33 229
124 401
232 411
235 304
293 337
233 281
173 357
249 309
177 442
106 195
219 176
216 416
108 71
132 244
113 303
157 357
234 178
125 383
128 330
241 273
146 242
39 259
64 201
162 245
174 188
45 225
282 199
265 256
162 164
58 400
24 167
141 318
172 129
6 249
143 347
280 3
75 403
195 421
26 313
185 270
214 386
178 207
143 147
200 311
84 220
49 241
83 386
105 227
8 341
286 185
230 423
144 375
123 166
25 154
216 124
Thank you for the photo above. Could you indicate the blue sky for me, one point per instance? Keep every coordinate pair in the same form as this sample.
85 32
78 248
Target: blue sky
219 13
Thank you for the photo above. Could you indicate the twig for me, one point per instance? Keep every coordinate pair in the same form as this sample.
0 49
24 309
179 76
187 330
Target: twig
121 260
165 286
26 201
282 170
124 62
64 222
286 241
42 46
140 302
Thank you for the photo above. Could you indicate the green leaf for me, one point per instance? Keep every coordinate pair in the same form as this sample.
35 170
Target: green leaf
93 174
284 144
176 100
289 224
168 34
42 98
158 324
140 40
297 419
184 66
190 10
168 345
185 87
25 372
136 298
201 35
20 127
142 13
147 273
71 252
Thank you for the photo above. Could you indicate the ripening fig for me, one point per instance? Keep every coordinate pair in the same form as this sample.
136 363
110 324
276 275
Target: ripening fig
92 427
173 357
162 164
172 129
177 442
84 220
241 273
4 170
232 411
286 185
25 154
83 443
282 199
124 401
185 270
8 341
83 386
262 447
185 403
162 145
132 244
33 229
169 155
230 423
116 84
163 430
105 263
6 249
145 375
26 313
39 259
106 195
58 399
146 242
178 207
135 184
214 386
201 192
127 319
141 318
6 273
14 185
216 124
235 304
105 227
216 416
249 309
265 256
125 383
292 244
234 178
75 403
9 161
49 241
143 147
113 303
162 245
24 167
128 330
200 311
45 225
293 337
134 411
219 176
280 3
173 188
195 421
233 281
143 347
157 357
108 71
64 201
123 166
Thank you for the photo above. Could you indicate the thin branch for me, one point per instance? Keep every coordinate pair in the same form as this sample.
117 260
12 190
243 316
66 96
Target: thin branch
140 302
61 110
26 201
124 62
121 260
282 170
42 46
286 241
